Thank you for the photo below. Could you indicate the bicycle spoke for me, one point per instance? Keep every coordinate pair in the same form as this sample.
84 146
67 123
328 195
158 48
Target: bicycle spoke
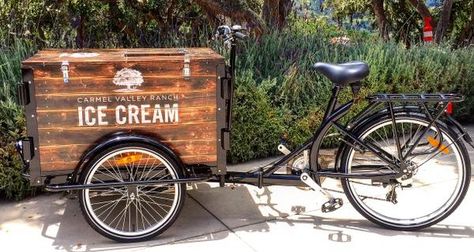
117 172
151 215
143 170
109 175
151 207
156 204
111 209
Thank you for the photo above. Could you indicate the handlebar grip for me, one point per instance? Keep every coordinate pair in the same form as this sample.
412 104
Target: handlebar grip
240 35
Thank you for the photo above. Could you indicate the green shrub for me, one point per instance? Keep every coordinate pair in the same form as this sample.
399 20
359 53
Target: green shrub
299 95
257 125
12 121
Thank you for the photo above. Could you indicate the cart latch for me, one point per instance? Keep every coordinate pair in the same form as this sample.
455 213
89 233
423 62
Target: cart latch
187 66
65 70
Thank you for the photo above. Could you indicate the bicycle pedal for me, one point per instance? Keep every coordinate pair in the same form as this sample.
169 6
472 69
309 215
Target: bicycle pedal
332 205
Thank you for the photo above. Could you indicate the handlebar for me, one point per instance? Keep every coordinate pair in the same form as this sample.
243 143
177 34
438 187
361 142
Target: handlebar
240 35
230 33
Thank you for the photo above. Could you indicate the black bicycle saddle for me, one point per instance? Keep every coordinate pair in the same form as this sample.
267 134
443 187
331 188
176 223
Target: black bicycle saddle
345 73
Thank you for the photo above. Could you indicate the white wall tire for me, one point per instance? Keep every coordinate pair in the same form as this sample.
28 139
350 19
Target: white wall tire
131 213
426 203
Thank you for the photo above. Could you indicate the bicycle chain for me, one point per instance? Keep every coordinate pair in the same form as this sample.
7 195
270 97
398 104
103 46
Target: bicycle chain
365 197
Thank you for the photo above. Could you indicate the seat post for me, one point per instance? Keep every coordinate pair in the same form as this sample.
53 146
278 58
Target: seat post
332 101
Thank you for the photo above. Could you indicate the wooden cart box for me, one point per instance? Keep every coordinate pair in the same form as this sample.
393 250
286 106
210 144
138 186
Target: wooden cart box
73 98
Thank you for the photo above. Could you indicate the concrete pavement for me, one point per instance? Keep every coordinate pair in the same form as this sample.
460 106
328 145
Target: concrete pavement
241 218
234 218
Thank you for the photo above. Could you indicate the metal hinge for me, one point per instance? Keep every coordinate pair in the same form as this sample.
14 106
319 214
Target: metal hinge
25 147
24 93
225 136
226 91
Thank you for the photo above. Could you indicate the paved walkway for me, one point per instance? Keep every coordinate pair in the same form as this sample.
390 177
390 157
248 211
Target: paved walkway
235 218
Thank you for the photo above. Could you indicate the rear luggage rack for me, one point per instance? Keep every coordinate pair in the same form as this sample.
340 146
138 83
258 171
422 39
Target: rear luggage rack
416 98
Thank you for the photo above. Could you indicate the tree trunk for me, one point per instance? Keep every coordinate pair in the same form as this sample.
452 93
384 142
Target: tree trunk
467 35
275 12
382 22
269 12
235 9
80 32
421 8
444 20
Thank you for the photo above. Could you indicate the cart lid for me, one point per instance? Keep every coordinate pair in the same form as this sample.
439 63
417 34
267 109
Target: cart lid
53 56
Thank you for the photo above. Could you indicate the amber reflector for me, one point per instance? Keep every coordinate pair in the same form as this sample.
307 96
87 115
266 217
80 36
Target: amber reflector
435 143
130 158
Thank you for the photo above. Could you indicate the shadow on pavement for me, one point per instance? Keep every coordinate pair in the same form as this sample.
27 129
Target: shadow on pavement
63 223
342 228
194 224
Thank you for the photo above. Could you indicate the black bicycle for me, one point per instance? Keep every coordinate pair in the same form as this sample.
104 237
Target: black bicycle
402 161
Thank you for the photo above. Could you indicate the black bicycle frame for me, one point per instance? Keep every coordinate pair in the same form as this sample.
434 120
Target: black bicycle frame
396 163
331 116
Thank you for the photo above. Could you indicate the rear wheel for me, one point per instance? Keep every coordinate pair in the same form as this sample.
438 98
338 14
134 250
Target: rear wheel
436 180
136 212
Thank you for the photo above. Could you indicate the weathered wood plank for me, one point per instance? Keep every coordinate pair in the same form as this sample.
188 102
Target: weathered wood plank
109 69
110 55
164 132
101 86
60 153
71 117
68 166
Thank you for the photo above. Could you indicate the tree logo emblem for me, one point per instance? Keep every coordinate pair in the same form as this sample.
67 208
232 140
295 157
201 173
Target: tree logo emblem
130 79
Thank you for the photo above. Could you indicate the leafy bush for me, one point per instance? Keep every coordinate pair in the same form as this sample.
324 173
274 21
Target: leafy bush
257 126
299 95
12 121
12 184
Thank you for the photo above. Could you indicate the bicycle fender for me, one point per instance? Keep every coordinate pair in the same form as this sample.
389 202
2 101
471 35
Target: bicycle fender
119 138
450 121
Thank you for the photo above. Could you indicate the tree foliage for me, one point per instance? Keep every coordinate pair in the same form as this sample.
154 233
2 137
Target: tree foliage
133 23
101 23
402 20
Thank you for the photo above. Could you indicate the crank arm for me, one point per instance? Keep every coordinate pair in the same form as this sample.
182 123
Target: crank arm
332 202
313 185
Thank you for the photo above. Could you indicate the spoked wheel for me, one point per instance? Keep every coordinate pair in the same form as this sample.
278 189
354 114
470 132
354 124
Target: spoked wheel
436 177
136 212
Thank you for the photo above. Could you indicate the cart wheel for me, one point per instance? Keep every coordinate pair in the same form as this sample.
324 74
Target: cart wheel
131 213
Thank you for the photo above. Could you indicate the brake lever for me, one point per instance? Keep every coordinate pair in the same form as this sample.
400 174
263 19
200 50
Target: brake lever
240 35
228 42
